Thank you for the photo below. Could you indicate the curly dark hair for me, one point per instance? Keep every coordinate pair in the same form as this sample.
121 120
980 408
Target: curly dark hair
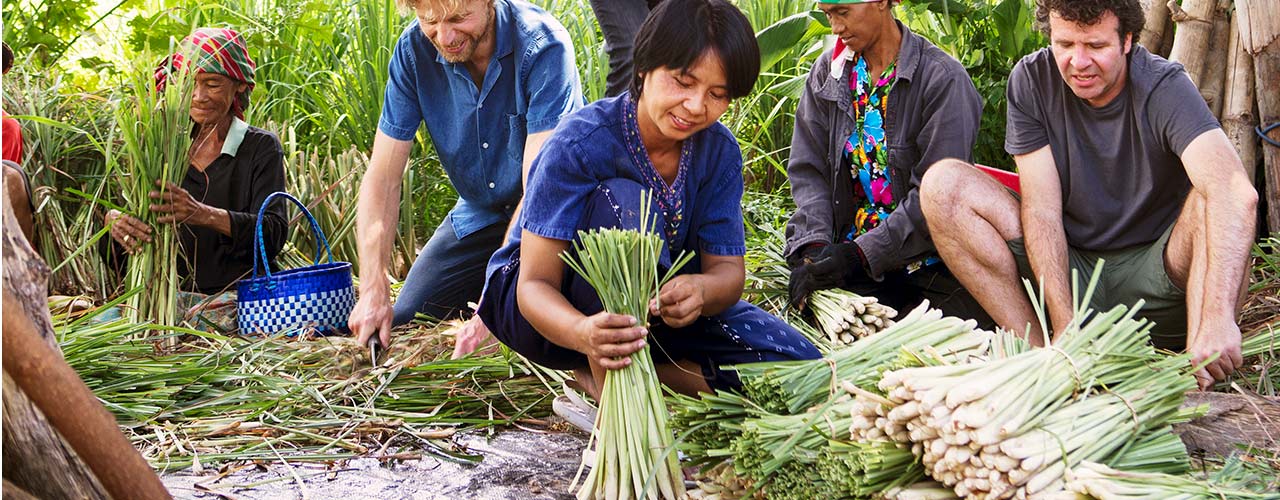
1090 12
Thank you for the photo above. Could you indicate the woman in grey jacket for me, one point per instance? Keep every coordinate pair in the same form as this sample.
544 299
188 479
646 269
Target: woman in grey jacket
877 110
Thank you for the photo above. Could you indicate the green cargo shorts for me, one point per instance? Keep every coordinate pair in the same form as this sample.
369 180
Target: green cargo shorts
1129 274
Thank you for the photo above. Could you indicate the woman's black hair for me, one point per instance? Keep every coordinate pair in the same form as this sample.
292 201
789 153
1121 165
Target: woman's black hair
678 32
8 58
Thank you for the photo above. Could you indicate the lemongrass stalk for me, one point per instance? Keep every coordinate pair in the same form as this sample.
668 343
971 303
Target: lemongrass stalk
1106 483
156 128
631 431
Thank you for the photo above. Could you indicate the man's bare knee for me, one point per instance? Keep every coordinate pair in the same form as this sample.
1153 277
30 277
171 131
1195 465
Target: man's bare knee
940 191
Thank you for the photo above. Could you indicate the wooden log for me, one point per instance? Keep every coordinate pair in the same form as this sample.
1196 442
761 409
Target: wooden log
1233 419
1259 26
1238 119
14 492
1215 70
1167 43
34 454
25 274
1259 23
1152 36
1194 21
73 410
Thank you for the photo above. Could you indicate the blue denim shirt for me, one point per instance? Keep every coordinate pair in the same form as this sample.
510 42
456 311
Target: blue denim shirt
593 145
479 133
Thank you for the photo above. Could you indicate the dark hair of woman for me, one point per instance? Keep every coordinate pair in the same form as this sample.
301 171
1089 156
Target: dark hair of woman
678 32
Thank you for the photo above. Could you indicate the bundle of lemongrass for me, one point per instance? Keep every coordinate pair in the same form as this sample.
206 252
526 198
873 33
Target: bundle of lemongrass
779 452
708 424
792 386
634 453
861 469
155 128
1105 483
845 316
1011 426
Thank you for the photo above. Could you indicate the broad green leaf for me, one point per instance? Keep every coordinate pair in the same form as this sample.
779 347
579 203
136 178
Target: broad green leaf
782 37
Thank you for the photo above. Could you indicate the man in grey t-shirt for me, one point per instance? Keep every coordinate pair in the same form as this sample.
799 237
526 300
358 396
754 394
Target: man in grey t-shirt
1120 160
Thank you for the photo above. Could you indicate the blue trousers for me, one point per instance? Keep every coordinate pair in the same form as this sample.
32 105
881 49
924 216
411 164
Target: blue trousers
741 334
448 273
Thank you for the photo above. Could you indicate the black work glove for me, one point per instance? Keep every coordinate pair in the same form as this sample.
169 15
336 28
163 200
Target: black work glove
829 266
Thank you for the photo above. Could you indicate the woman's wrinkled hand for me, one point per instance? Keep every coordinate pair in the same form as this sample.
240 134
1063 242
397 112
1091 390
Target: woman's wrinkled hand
127 230
177 205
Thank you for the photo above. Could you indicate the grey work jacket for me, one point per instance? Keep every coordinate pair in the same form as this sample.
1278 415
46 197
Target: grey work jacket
932 115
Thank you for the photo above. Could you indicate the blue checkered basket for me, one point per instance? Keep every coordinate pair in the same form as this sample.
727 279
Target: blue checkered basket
318 297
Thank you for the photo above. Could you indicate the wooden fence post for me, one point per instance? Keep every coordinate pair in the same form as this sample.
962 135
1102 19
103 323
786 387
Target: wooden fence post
1259 24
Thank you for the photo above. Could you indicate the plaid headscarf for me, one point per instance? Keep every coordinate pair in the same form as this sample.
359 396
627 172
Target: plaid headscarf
215 50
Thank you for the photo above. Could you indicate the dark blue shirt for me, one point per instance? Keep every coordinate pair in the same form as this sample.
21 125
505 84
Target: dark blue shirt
702 209
479 133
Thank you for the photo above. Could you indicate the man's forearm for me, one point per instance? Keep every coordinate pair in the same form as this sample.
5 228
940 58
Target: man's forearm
376 217
1046 247
1228 239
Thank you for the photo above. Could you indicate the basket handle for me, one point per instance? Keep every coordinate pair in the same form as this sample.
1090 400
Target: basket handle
261 250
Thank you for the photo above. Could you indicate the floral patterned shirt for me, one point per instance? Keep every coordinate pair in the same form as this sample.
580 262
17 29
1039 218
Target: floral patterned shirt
865 150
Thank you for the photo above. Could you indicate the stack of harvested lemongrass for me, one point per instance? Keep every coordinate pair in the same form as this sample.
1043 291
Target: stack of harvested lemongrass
708 424
845 316
634 453
1011 426
779 452
155 126
792 386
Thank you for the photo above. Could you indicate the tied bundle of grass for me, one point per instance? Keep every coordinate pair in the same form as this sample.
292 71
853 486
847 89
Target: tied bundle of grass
708 424
634 453
866 460
1105 483
155 128
779 452
1011 426
864 468
791 386
845 316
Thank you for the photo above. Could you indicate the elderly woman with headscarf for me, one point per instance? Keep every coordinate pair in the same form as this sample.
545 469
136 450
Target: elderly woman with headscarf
233 168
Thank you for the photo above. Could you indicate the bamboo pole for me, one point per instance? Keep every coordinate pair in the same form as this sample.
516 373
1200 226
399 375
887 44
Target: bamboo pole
1152 36
1260 34
73 410
1194 21
1214 76
1238 118
1166 44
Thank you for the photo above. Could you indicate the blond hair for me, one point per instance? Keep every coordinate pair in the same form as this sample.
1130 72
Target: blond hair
441 7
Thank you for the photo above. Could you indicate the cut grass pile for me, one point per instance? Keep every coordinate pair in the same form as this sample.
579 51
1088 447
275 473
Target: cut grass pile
217 399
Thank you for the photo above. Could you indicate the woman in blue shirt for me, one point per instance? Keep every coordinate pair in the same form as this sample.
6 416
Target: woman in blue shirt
692 57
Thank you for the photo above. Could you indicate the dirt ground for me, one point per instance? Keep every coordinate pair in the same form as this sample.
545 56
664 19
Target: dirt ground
517 464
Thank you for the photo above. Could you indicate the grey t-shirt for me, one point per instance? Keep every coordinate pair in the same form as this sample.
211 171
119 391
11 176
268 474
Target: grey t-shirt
1123 182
